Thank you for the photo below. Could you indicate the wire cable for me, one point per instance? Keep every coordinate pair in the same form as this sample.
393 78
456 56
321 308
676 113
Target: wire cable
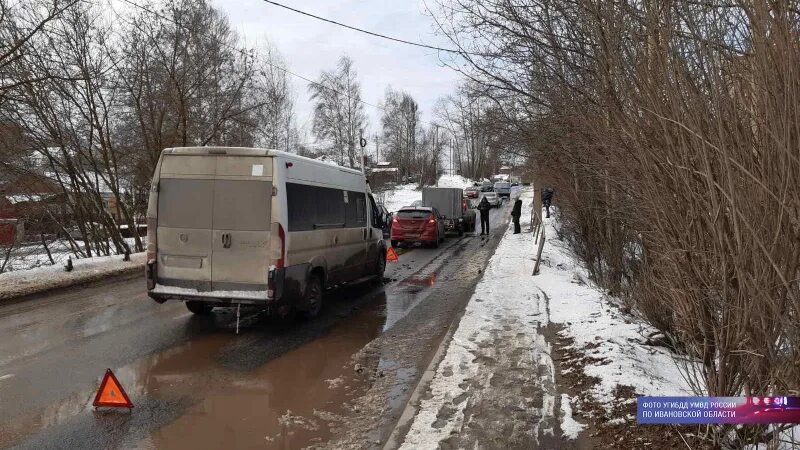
371 33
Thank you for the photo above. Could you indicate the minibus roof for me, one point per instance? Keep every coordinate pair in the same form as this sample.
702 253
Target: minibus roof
249 151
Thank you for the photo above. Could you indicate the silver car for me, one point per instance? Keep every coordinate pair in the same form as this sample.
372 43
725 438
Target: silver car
492 198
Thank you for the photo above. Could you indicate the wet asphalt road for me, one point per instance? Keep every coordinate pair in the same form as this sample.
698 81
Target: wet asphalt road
193 381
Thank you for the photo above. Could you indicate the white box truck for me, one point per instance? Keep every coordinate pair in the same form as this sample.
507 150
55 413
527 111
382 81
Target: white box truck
453 207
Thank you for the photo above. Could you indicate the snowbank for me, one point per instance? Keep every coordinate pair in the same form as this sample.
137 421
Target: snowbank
601 332
40 279
402 195
499 360
456 181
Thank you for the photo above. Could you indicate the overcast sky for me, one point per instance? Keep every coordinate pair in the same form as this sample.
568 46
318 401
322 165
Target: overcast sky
310 45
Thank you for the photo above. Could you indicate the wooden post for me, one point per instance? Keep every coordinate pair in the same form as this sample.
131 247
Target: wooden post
539 253
537 228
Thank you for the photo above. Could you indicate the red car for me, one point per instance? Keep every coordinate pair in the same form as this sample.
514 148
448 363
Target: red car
472 192
417 224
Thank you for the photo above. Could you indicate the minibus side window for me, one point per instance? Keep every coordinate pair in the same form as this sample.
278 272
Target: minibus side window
312 207
356 210
376 213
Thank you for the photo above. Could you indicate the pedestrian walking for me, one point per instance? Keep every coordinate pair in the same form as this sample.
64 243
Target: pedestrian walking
547 199
516 211
484 207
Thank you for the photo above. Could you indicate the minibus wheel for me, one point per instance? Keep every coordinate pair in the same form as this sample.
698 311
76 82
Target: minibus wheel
199 308
381 266
313 297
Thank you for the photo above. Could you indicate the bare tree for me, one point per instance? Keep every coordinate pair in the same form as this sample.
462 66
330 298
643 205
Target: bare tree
275 115
20 25
401 130
107 94
461 114
338 111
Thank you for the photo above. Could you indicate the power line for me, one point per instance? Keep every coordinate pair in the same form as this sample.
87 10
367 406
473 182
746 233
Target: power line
371 33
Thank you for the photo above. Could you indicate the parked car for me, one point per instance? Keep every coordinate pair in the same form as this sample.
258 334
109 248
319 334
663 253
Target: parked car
387 219
230 226
487 186
417 224
472 192
416 203
503 188
492 198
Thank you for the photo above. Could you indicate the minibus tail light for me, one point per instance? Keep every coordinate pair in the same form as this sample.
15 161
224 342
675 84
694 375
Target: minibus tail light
278 245
152 244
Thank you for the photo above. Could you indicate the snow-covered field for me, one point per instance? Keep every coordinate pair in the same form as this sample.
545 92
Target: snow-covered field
499 361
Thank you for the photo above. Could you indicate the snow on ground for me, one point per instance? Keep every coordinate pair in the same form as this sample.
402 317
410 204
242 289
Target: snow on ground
569 425
496 379
24 282
31 256
600 331
401 195
456 181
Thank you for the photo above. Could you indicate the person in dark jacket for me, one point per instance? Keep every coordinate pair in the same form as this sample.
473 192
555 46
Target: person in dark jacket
547 199
516 211
484 207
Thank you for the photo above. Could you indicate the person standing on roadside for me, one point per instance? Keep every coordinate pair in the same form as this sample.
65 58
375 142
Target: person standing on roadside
516 211
547 199
484 207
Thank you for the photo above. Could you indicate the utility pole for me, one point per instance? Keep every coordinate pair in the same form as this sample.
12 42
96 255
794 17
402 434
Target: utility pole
451 156
377 150
363 143
435 154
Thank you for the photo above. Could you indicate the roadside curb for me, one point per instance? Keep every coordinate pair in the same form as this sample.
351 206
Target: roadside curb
395 439
20 293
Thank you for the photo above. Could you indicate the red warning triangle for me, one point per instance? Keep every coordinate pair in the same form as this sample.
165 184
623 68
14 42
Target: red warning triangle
111 393
391 255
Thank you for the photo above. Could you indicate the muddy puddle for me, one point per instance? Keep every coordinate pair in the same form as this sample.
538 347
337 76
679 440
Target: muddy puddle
275 385
289 402
406 294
